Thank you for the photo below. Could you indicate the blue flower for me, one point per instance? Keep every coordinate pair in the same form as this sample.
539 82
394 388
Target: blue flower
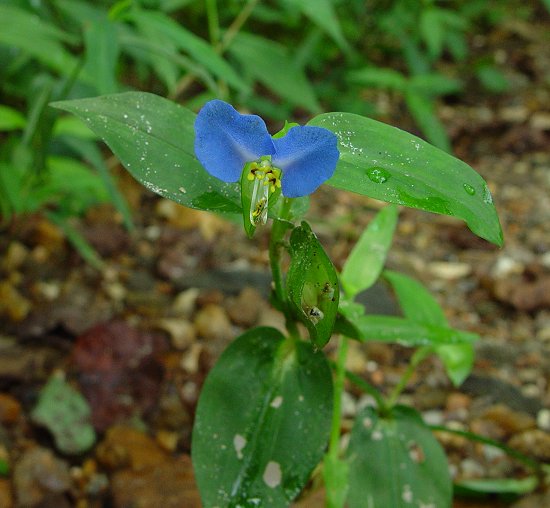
298 162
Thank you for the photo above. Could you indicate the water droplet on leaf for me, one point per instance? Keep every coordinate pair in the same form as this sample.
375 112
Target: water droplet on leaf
378 175
469 189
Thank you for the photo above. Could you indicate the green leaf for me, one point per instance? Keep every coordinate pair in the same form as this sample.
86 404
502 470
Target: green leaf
396 462
262 421
153 138
335 475
270 63
392 165
492 78
367 258
422 109
435 84
194 46
432 30
11 119
102 51
379 78
420 306
499 485
415 300
312 285
41 40
66 414
322 13
404 331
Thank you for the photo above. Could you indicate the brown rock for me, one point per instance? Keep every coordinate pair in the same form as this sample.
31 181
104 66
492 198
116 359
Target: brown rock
534 442
6 497
457 402
244 309
170 485
10 409
13 304
128 447
39 477
212 323
511 422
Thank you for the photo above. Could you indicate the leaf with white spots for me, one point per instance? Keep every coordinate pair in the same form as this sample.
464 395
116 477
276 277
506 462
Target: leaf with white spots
386 163
154 140
262 421
395 461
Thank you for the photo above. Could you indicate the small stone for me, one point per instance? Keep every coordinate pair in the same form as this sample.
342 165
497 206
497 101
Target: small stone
543 419
273 318
6 497
457 402
184 303
10 409
212 323
190 359
125 446
170 484
506 266
38 476
511 422
449 271
13 304
244 309
14 257
534 442
182 332
167 440
471 469
433 417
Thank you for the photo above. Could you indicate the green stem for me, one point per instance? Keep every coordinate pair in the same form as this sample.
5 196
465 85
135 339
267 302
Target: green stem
334 443
221 45
416 359
276 245
213 22
237 24
368 388
528 461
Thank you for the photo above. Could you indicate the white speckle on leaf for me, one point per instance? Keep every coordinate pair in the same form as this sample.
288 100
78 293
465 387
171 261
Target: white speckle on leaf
367 422
276 402
377 435
407 494
239 442
272 474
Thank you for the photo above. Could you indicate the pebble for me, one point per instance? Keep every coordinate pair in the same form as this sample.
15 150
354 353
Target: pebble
182 332
244 309
38 475
168 485
125 446
509 421
543 420
448 270
184 303
10 409
6 496
471 468
212 323
534 442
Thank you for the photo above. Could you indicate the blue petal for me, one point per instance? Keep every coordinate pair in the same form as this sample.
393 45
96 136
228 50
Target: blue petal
225 140
307 157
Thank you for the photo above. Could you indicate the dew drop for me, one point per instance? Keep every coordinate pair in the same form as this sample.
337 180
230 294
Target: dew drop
378 175
487 197
469 189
